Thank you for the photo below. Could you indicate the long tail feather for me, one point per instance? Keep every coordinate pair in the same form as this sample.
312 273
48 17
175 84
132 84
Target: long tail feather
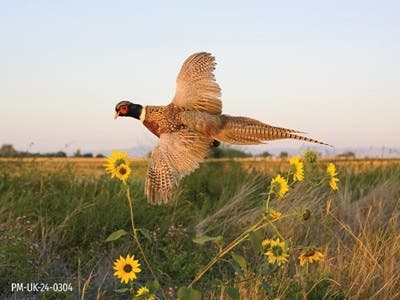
245 131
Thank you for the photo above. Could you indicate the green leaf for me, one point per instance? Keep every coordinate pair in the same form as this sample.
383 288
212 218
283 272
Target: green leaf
116 235
256 238
204 238
146 233
241 261
122 291
233 293
185 293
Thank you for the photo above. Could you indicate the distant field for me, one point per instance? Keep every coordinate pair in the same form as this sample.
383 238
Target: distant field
94 166
55 215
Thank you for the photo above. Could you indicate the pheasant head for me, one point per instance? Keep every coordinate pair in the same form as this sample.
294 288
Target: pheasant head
128 109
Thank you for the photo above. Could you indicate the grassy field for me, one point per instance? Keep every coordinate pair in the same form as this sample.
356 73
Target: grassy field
55 215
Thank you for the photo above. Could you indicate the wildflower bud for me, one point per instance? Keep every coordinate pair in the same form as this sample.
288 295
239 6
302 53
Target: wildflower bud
306 214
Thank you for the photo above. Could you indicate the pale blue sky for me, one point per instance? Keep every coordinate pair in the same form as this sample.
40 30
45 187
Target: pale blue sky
330 68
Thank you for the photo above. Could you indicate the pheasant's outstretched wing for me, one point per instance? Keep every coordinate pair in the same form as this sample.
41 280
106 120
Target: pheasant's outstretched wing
176 155
196 88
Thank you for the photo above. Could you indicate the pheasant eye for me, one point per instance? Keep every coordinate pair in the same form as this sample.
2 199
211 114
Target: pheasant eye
123 109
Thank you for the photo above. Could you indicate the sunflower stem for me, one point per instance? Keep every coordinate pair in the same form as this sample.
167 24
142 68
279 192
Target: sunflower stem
136 239
270 192
243 236
276 229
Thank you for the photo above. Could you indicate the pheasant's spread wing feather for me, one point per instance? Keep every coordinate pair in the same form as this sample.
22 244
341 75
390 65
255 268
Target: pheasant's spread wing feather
176 155
196 88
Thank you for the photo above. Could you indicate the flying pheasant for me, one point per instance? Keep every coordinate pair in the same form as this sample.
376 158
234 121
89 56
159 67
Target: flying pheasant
191 125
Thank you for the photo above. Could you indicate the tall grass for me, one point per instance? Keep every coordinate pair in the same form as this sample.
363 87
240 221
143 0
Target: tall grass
53 223
360 238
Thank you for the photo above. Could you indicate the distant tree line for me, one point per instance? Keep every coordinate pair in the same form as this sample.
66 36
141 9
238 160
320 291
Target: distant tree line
78 153
223 151
8 150
347 154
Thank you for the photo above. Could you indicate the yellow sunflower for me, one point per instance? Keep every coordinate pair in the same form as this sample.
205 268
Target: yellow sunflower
277 251
298 168
117 165
279 185
126 268
144 293
333 180
310 256
122 172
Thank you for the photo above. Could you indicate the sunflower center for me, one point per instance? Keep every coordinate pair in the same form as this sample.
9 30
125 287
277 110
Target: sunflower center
277 250
309 253
122 170
277 187
128 268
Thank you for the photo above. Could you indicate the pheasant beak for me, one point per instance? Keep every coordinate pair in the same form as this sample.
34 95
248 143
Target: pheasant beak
116 115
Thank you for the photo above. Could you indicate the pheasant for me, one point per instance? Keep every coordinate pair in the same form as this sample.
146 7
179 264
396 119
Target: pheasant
191 125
